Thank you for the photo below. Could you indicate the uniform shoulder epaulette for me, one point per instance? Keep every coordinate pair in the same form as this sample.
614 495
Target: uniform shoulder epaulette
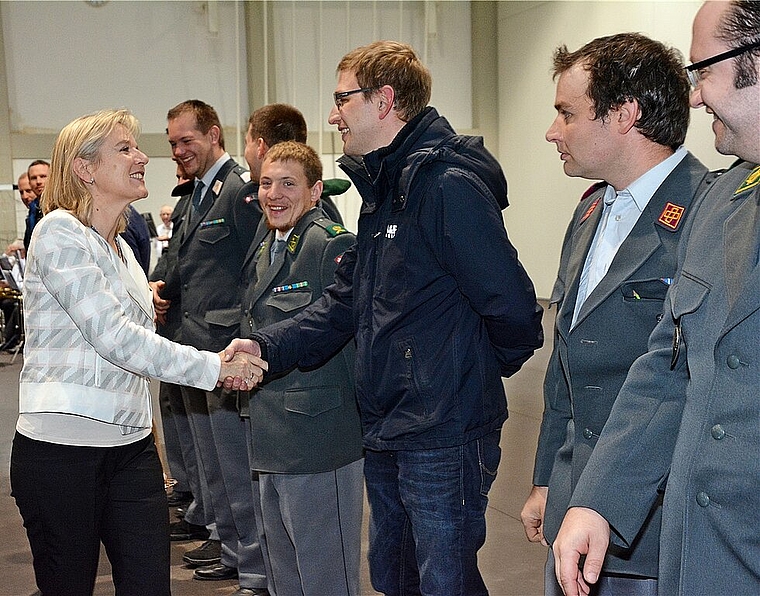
750 181
244 174
332 228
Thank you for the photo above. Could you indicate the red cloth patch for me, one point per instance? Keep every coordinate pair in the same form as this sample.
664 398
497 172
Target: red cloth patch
671 216
590 210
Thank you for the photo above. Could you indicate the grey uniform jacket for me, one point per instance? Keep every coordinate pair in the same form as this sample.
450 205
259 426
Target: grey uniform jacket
688 418
167 262
590 361
302 422
212 246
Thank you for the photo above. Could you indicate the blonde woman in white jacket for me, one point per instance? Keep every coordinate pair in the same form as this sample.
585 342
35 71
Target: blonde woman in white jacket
84 467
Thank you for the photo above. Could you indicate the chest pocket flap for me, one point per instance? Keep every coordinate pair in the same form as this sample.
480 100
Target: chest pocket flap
644 289
290 301
213 233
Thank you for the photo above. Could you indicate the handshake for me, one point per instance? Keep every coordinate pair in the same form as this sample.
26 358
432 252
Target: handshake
242 367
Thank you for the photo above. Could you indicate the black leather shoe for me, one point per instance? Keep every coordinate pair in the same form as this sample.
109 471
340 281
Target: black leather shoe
215 572
180 498
182 530
208 553
250 592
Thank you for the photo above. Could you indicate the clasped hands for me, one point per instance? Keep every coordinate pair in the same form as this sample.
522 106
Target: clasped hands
242 366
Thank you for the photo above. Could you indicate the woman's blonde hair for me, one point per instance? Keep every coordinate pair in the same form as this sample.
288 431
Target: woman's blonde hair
82 138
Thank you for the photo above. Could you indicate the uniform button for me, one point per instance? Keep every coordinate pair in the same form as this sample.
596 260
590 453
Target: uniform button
717 432
408 353
587 434
186 314
702 499
733 361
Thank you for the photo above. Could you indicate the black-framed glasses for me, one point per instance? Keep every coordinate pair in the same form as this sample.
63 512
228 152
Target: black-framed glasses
693 70
339 96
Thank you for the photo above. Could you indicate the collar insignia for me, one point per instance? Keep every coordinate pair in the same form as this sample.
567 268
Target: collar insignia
751 181
590 210
293 242
671 216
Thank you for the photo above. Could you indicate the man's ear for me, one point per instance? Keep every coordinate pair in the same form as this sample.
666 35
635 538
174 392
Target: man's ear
316 192
215 134
82 170
386 99
261 148
627 115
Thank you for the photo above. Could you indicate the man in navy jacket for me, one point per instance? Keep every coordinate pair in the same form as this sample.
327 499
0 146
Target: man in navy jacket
440 309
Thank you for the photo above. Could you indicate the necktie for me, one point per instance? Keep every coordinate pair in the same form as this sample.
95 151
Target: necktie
197 196
277 247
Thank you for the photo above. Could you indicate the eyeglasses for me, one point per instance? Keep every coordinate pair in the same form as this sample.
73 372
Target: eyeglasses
693 70
339 96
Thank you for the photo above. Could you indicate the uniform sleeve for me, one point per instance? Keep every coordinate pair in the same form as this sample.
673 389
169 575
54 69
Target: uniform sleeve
557 406
557 414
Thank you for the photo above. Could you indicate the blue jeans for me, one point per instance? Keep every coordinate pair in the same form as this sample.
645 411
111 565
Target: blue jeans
427 517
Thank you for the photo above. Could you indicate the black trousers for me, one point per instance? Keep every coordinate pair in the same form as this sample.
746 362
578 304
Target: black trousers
13 323
73 498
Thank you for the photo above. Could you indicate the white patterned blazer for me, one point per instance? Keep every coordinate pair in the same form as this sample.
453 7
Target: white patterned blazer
90 340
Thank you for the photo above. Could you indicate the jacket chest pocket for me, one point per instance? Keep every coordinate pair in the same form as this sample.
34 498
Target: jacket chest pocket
313 401
213 234
290 301
643 290
393 245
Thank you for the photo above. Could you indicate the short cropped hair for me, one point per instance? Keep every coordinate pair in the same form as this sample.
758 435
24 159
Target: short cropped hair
740 26
299 153
82 138
205 116
278 122
631 66
37 162
391 63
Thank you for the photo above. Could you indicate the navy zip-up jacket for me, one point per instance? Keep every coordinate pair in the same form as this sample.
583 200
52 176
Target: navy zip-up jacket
432 292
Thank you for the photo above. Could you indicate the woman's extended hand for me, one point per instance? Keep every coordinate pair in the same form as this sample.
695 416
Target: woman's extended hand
243 371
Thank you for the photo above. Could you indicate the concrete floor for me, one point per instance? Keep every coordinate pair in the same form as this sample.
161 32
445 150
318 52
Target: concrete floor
510 565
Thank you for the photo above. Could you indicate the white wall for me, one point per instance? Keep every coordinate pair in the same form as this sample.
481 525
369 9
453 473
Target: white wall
67 58
542 197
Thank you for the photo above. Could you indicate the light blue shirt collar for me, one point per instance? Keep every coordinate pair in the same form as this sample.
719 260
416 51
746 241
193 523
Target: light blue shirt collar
643 188
208 178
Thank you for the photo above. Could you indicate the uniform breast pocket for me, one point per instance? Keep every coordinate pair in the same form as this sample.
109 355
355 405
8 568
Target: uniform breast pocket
223 317
213 233
290 301
313 401
645 289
